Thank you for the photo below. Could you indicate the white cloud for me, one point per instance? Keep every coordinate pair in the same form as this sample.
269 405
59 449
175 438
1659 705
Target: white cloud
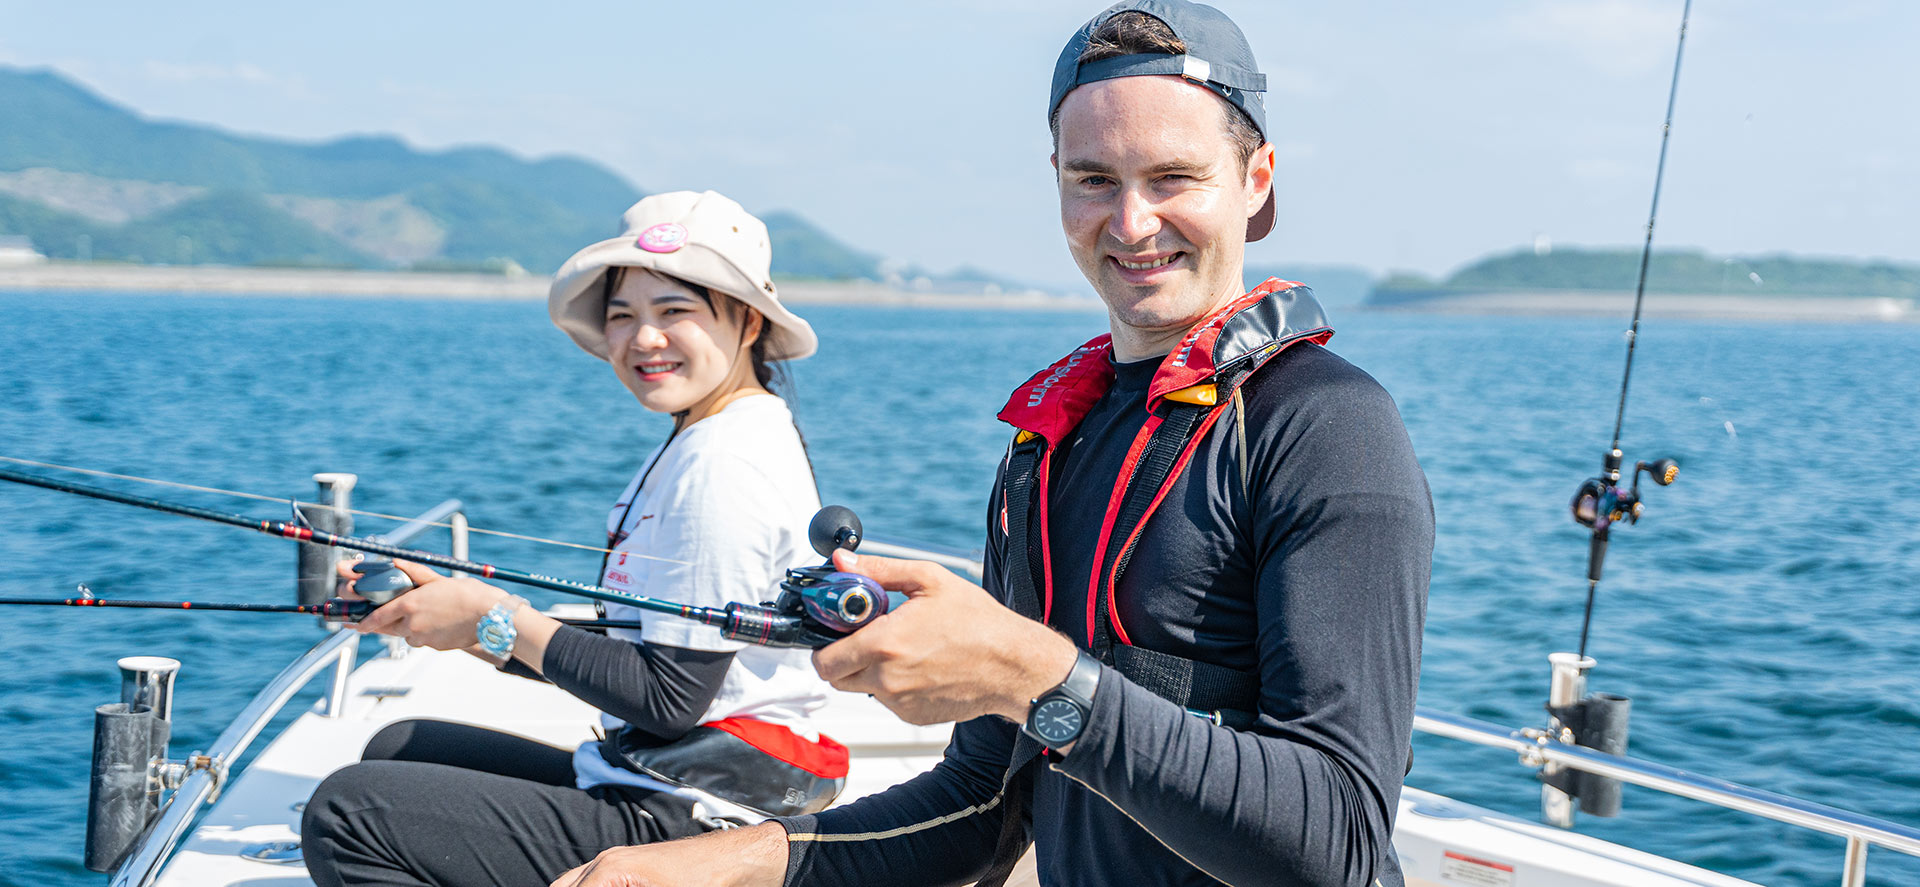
1616 36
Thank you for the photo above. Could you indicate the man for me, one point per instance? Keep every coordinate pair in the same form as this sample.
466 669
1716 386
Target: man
1226 521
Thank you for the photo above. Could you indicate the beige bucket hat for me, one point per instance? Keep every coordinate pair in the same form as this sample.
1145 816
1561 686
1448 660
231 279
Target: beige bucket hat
697 236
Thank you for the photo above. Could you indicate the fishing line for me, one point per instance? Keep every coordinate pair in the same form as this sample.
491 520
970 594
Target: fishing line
280 499
1599 501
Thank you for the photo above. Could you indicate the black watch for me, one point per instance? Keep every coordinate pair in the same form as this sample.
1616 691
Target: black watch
1058 716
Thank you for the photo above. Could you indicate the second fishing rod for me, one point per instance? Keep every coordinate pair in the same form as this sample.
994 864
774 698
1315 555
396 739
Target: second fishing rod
816 606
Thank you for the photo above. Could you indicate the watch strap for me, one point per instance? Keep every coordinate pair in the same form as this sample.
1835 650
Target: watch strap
1077 689
495 630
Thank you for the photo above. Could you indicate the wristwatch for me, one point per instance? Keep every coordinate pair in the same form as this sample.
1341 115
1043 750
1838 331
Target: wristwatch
495 630
1058 716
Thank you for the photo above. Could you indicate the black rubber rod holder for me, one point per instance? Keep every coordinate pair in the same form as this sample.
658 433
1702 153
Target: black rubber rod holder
1604 730
119 806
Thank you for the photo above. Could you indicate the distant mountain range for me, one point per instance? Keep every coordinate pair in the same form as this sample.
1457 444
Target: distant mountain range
84 178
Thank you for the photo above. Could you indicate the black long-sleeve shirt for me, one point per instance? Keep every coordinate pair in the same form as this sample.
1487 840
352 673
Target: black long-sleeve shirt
659 690
1312 574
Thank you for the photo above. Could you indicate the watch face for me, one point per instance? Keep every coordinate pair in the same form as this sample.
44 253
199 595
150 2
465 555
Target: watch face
1056 721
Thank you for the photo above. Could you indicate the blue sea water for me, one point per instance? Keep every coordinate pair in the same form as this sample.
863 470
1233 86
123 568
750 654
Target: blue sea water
1763 616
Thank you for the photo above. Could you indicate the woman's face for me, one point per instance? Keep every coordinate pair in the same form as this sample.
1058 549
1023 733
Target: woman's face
671 348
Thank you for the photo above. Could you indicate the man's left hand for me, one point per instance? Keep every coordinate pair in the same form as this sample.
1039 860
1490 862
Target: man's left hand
950 653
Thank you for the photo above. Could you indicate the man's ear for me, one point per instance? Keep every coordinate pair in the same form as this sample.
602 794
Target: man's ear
1259 178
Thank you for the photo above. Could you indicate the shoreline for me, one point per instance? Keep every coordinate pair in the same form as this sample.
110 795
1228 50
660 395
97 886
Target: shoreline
79 278
1669 306
329 283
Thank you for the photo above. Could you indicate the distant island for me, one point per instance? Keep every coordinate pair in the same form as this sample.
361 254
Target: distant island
1690 272
1680 283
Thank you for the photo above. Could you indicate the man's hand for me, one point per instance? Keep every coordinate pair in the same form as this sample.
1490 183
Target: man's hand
744 857
951 653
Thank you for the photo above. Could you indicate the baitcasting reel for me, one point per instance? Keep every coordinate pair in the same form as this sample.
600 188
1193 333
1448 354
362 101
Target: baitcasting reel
1600 502
817 605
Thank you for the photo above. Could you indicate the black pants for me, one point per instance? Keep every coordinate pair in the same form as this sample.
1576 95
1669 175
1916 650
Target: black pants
436 803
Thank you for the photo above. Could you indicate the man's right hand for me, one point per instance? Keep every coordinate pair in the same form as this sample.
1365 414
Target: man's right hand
743 857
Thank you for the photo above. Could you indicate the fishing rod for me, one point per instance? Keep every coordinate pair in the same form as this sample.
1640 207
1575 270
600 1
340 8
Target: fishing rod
1600 502
354 511
817 605
331 610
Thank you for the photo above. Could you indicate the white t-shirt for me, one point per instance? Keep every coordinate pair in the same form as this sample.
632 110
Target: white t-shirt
723 516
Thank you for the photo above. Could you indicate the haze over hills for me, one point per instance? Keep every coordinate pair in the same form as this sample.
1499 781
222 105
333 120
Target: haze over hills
84 178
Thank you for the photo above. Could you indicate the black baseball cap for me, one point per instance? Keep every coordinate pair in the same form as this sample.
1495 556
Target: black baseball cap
1218 58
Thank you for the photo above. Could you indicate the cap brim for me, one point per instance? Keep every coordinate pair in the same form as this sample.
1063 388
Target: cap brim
1261 223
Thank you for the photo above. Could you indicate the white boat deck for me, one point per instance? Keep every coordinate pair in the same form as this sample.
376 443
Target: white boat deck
1441 843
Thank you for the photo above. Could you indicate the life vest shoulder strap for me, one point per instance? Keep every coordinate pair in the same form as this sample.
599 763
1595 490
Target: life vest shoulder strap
1227 694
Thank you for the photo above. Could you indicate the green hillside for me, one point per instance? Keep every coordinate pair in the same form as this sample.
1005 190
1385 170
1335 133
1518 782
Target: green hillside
81 177
802 250
1669 271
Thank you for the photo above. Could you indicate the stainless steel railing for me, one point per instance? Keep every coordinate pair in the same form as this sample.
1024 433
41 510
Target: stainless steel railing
1538 748
208 773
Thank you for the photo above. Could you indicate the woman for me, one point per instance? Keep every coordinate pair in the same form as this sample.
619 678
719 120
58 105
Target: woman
701 732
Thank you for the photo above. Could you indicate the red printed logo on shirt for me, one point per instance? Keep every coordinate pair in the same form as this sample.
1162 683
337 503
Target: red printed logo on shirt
617 576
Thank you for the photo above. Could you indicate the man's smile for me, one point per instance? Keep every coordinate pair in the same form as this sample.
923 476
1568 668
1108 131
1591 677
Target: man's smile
1144 269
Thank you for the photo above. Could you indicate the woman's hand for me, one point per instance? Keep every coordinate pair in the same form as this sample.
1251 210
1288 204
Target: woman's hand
438 612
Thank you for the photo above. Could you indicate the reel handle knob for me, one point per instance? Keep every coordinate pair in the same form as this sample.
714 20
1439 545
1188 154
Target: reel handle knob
380 581
1663 471
834 527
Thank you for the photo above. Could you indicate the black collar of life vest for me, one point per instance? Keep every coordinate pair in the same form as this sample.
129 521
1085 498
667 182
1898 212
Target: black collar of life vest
1193 385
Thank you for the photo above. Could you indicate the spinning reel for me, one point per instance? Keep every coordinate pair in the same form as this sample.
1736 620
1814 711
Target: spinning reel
1600 502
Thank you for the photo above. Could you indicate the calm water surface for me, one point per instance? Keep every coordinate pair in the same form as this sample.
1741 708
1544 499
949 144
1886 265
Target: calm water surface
1762 616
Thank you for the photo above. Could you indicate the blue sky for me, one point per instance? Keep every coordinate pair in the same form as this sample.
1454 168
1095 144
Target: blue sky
1412 135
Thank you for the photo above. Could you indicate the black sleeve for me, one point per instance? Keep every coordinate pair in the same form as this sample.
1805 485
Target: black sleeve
938 828
662 691
521 670
1343 536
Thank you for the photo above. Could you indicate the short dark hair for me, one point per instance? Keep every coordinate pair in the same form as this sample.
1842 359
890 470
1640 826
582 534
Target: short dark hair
1136 33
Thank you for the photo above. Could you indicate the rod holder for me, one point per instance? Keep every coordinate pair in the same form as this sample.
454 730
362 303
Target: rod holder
1597 721
1602 727
1566 683
148 681
316 562
120 804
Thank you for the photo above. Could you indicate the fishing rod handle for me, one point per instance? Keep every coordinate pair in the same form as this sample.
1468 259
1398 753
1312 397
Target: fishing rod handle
707 615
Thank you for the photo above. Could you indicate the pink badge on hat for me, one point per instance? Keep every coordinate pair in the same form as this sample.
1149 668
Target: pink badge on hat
665 237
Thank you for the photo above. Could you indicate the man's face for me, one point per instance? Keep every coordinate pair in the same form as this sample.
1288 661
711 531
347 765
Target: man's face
1154 200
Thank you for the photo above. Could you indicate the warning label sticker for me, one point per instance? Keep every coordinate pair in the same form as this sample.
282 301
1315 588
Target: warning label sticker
1462 869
